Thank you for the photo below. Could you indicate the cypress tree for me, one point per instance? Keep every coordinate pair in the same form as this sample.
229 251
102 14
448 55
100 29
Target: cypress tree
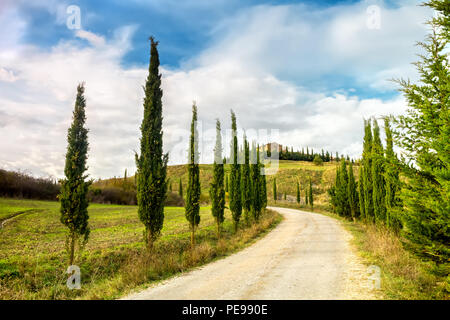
343 206
298 192
235 178
310 195
379 204
285 195
256 183
306 196
246 182
74 188
226 184
192 207
424 134
352 193
361 191
392 180
263 185
217 191
367 167
152 163
180 188
275 189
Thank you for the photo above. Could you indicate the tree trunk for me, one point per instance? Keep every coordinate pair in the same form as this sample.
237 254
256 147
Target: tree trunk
192 236
218 229
149 241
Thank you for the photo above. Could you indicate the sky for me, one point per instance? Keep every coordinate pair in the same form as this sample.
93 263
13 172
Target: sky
301 73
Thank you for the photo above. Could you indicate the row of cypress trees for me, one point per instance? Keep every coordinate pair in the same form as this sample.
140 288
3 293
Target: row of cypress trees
309 196
410 194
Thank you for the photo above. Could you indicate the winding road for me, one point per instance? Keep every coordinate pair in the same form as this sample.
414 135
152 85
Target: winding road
307 256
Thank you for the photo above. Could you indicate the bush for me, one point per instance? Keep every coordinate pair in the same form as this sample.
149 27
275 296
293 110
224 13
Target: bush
174 200
21 185
318 160
112 195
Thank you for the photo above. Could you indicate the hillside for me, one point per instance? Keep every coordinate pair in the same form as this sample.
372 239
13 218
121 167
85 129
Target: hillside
287 175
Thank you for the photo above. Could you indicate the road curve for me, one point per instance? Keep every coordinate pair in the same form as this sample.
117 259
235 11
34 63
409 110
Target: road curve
307 256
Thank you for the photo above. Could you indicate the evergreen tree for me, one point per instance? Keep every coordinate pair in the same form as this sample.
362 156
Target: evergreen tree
217 191
306 196
235 178
285 195
352 193
246 182
310 195
424 134
74 188
298 192
392 180
152 163
361 191
275 189
343 205
379 204
180 188
226 184
367 167
263 185
192 207
256 183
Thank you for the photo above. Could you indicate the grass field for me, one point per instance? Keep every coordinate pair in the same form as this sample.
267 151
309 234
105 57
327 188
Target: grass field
33 258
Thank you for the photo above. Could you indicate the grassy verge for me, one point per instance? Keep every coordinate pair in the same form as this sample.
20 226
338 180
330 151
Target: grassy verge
33 259
403 275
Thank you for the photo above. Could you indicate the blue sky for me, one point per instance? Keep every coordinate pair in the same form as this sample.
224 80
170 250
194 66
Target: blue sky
310 69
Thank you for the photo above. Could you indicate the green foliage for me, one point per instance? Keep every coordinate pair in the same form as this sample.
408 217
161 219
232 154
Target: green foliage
193 188
318 160
298 192
235 176
263 185
217 191
361 191
378 190
275 189
424 134
256 178
180 189
246 182
352 193
226 184
310 195
152 163
367 169
74 188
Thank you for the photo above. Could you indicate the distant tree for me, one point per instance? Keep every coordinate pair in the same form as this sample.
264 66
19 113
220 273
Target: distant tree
285 195
306 196
235 178
256 184
246 182
263 186
298 192
343 205
275 189
192 208
310 195
217 191
180 188
424 135
152 163
318 160
74 188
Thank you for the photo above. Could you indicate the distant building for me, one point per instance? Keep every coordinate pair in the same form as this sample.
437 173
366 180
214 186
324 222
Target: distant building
268 147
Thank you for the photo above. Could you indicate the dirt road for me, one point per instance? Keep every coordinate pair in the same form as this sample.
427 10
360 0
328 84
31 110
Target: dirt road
307 256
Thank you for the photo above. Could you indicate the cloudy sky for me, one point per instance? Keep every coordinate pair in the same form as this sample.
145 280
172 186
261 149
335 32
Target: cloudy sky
309 70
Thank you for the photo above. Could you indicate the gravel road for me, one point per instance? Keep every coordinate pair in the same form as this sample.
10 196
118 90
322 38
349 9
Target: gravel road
307 256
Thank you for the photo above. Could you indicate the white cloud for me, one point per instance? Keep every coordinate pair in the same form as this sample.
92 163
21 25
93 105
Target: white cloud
242 71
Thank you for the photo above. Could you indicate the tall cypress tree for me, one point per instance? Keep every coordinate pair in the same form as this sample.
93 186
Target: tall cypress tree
192 208
217 191
379 204
246 182
424 134
361 191
226 183
74 188
392 180
152 163
263 185
298 192
367 167
306 195
343 206
256 184
310 195
235 177
275 189
180 188
352 193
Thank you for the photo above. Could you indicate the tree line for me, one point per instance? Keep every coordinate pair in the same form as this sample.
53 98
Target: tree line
247 185
410 193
